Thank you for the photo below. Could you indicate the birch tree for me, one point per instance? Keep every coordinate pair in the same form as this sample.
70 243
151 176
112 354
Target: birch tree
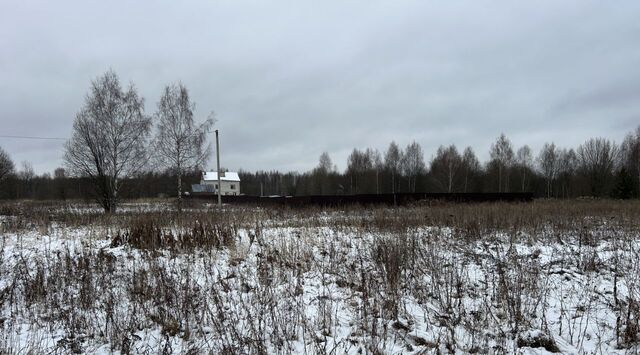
392 162
567 164
524 160
631 155
109 138
413 163
325 165
548 161
6 164
321 175
470 166
358 163
502 156
26 176
597 158
378 165
180 143
445 167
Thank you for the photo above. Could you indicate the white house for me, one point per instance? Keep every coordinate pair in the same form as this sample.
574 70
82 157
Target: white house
230 182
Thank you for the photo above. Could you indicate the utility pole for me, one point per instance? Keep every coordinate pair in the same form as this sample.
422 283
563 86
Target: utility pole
218 162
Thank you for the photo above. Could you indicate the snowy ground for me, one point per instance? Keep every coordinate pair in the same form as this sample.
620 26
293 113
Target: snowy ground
320 284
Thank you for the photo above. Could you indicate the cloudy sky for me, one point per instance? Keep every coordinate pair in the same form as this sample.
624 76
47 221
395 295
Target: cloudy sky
291 79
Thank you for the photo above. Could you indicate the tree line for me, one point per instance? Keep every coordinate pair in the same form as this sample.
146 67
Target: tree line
119 151
597 168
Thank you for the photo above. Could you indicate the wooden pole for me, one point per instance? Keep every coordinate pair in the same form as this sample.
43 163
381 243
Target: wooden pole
218 163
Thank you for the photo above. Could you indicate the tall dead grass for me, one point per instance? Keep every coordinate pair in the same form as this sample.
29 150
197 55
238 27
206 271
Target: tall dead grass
237 280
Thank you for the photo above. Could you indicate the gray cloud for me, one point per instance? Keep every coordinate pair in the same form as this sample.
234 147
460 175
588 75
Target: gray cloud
289 80
611 98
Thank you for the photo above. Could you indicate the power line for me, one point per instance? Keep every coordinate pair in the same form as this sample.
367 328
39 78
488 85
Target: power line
32 137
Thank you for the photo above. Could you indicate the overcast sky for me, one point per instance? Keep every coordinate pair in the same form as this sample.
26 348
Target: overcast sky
291 79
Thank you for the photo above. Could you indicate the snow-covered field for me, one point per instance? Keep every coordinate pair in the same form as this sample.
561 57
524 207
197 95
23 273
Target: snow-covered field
397 281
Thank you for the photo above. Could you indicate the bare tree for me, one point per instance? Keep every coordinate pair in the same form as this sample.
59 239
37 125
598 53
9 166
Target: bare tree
470 166
321 182
413 163
26 176
630 155
26 172
567 164
109 138
358 163
392 161
524 161
445 167
59 173
378 165
548 161
597 158
180 143
59 176
502 156
6 164
325 165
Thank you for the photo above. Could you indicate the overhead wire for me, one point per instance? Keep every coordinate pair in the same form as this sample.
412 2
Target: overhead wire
34 137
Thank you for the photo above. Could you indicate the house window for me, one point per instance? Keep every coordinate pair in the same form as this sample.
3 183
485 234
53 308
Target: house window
232 187
216 186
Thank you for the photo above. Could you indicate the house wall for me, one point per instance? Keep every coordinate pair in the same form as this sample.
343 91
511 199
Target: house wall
228 187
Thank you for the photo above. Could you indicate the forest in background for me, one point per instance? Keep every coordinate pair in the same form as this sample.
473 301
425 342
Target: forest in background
597 168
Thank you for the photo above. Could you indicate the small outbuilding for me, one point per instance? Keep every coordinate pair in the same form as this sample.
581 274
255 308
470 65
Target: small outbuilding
229 181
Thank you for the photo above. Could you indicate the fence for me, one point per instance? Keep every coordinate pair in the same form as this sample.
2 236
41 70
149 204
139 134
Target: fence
368 199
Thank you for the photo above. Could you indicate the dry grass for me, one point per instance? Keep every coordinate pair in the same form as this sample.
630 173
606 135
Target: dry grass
247 280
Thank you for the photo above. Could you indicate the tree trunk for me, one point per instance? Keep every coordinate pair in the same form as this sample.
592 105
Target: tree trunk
351 183
466 177
507 180
393 182
114 205
110 194
179 191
